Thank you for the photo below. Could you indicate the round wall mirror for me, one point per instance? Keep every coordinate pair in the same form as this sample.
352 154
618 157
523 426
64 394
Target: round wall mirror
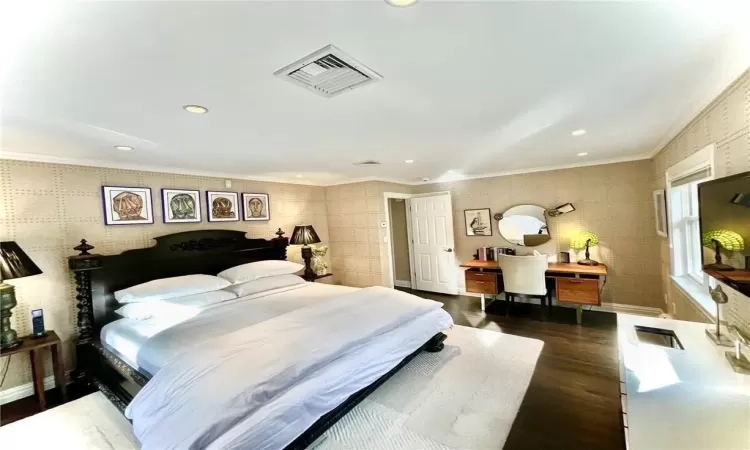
524 225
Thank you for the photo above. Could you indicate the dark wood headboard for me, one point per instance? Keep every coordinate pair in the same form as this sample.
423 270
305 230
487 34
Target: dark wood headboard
192 252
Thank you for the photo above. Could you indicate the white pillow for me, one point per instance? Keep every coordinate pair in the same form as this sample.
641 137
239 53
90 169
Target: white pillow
166 288
264 284
261 269
177 307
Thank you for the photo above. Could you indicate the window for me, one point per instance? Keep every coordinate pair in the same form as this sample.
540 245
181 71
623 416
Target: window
684 226
686 239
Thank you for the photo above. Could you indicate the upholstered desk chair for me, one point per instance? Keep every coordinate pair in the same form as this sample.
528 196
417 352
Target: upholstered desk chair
524 276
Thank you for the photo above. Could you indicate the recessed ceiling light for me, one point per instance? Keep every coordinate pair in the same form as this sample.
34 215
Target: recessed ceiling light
124 148
401 3
409 161
577 133
195 109
583 154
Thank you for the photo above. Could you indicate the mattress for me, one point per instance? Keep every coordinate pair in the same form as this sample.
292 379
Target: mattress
128 337
265 383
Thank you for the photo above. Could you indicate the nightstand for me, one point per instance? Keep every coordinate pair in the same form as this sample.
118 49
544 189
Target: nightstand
34 347
316 277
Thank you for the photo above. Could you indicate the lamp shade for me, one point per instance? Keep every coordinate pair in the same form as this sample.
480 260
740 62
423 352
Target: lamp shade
304 235
15 263
728 240
579 241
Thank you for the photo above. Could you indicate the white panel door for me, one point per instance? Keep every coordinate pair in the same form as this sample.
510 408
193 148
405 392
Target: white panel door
432 235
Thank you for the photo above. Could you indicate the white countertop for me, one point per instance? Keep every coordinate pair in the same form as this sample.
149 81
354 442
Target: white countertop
682 399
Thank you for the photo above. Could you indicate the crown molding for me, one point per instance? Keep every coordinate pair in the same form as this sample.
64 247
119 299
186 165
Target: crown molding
34 157
370 179
506 173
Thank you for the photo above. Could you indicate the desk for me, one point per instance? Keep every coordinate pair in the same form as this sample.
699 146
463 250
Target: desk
574 283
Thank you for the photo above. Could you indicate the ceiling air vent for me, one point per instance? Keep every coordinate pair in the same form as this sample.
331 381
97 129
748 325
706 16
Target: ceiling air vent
369 162
328 72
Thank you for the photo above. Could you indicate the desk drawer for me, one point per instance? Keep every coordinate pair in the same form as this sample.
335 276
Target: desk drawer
578 290
481 287
481 276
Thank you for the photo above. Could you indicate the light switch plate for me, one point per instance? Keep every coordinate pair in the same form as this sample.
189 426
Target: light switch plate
227 184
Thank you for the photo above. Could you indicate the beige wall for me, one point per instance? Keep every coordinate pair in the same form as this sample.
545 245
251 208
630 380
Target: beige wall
613 201
400 240
48 208
359 251
726 124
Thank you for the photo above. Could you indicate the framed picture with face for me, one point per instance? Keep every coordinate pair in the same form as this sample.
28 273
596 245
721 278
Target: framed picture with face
181 205
222 206
255 207
127 205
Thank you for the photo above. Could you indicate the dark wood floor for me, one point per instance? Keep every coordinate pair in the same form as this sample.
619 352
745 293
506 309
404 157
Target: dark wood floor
573 401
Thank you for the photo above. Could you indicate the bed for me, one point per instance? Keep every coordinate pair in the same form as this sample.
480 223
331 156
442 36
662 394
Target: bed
121 357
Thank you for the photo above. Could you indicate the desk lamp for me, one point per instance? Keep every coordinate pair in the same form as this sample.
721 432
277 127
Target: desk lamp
585 239
718 239
305 235
14 263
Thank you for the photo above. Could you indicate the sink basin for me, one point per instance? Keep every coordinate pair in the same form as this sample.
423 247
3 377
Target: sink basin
658 336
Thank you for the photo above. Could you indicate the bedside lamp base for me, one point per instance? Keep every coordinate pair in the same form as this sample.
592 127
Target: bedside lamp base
307 257
8 336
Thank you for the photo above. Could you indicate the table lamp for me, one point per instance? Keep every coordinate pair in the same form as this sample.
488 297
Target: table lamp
14 263
718 239
305 235
585 239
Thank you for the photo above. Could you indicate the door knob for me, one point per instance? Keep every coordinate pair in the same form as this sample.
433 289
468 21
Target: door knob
449 250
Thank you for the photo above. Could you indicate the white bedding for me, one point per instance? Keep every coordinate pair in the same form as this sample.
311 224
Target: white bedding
261 386
127 337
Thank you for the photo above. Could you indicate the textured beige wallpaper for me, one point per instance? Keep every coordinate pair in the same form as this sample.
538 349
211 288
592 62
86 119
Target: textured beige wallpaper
359 253
400 243
48 208
613 201
726 124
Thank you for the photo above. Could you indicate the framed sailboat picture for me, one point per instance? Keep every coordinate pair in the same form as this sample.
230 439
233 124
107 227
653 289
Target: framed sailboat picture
478 222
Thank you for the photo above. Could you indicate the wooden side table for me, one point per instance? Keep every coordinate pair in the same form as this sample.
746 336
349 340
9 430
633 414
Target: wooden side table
35 346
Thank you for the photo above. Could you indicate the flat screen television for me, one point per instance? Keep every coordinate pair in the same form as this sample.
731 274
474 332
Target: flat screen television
725 230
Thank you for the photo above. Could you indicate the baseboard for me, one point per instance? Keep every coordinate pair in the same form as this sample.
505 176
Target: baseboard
24 390
606 307
402 283
629 309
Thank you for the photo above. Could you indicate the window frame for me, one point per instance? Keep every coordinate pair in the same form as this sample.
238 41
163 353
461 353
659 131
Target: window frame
683 221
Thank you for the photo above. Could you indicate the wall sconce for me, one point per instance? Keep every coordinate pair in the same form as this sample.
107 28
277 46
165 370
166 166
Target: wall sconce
560 210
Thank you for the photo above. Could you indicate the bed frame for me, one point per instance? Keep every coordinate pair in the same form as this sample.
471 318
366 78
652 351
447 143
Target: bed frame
97 277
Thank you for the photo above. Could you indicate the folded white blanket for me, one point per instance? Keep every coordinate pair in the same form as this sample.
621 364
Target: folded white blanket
201 395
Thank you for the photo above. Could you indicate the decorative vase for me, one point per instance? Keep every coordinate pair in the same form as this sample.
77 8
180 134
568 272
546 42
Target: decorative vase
317 262
319 265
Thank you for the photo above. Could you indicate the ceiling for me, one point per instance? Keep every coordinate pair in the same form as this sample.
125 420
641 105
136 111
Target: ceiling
469 89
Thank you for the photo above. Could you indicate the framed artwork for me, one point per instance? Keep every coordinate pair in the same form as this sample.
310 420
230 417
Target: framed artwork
222 206
181 205
127 205
660 212
255 207
478 222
